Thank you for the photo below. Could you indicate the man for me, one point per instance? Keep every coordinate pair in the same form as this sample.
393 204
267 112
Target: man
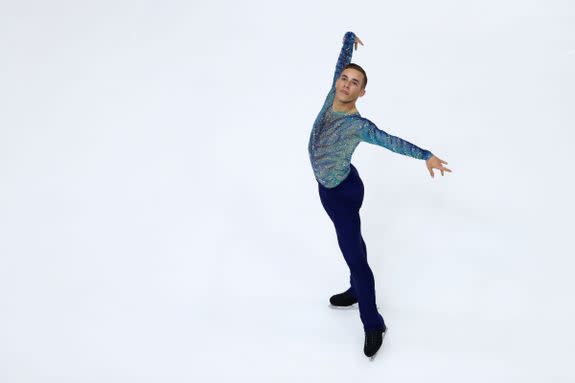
337 131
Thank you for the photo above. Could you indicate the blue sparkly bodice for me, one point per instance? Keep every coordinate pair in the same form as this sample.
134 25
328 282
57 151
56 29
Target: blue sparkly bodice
335 135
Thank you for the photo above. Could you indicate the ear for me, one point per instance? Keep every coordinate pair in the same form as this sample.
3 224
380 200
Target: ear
362 92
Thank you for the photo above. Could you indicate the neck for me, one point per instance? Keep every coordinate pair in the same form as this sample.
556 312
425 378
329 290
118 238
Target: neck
346 107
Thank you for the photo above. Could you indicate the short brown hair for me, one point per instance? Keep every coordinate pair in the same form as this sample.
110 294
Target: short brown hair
357 67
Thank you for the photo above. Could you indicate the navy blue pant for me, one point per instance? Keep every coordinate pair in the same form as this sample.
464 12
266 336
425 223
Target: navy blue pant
342 204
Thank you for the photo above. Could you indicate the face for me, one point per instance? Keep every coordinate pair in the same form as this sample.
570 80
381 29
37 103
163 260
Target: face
348 85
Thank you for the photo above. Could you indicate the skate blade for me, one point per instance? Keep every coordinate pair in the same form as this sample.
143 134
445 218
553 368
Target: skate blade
353 306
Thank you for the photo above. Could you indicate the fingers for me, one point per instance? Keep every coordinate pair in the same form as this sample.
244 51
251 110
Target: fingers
442 169
357 40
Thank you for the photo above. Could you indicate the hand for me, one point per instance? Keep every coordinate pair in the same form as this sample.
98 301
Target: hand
436 163
356 40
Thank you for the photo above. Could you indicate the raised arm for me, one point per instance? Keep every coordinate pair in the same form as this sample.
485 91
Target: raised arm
344 55
368 132
343 59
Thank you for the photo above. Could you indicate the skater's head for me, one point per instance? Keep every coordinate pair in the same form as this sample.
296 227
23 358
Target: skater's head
359 69
351 83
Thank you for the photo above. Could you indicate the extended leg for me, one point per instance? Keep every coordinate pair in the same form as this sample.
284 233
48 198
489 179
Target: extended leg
352 246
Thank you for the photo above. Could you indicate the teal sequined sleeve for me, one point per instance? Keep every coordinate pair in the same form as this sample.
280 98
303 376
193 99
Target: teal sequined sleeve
344 58
367 131
344 55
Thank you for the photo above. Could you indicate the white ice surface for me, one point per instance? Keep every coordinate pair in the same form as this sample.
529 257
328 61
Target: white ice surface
159 219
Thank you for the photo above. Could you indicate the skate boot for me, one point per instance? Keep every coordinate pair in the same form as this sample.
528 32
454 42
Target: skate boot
343 300
373 341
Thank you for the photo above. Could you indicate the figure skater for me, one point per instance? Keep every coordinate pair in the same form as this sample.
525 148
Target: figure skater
337 131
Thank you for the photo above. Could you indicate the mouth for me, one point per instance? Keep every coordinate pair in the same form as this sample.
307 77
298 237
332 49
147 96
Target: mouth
344 92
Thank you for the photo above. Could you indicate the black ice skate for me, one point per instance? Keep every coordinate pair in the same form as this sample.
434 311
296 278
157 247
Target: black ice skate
343 300
373 341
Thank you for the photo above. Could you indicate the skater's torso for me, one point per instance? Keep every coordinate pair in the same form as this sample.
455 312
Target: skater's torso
335 135
332 142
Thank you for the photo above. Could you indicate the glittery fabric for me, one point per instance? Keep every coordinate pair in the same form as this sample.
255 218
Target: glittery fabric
335 135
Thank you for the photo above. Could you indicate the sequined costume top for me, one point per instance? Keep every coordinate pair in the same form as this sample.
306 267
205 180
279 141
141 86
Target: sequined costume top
335 135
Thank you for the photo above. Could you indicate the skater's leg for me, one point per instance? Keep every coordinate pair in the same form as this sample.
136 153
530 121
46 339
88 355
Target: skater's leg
351 288
342 204
351 246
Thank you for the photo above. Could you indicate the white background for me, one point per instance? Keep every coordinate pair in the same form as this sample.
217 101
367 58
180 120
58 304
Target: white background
160 222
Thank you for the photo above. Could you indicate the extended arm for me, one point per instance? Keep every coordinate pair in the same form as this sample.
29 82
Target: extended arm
344 55
343 59
368 132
